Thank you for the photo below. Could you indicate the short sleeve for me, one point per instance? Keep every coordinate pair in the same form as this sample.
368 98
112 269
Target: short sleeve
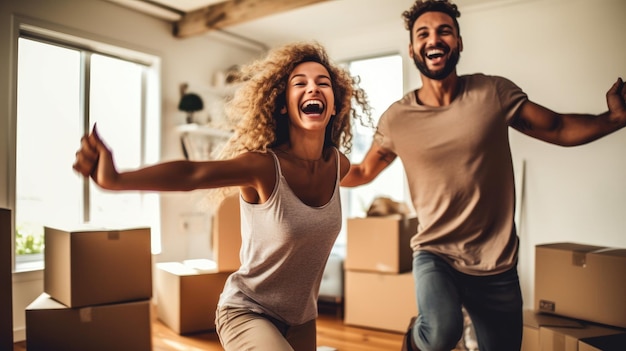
382 136
511 97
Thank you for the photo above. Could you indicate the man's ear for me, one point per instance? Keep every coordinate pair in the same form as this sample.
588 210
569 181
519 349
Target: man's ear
411 50
460 44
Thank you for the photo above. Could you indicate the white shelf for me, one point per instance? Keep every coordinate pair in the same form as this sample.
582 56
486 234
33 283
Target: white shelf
196 129
201 141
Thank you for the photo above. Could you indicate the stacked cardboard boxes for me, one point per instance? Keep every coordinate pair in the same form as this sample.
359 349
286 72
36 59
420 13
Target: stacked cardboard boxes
582 288
97 291
187 292
378 281
187 295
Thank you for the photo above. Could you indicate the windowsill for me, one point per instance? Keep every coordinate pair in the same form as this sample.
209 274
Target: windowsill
29 263
28 275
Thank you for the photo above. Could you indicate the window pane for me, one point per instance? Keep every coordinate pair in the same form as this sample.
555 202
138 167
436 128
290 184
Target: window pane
381 78
52 80
48 130
116 108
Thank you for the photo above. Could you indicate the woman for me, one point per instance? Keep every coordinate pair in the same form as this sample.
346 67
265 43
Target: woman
294 112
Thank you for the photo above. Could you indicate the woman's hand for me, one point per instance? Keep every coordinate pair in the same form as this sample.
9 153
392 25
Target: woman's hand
95 160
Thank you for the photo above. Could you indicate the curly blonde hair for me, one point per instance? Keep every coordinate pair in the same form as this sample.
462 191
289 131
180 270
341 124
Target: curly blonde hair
255 107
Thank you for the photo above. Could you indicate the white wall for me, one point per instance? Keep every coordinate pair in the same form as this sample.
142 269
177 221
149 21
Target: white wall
192 60
564 53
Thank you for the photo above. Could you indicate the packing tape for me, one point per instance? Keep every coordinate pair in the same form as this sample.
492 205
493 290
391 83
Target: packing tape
85 314
113 235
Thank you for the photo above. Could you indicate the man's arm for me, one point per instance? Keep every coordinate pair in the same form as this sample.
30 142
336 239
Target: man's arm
573 129
374 162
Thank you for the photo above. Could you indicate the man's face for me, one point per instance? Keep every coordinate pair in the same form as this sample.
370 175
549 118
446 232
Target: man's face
436 46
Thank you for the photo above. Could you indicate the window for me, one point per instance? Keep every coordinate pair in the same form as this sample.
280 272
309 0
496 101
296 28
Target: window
381 78
64 89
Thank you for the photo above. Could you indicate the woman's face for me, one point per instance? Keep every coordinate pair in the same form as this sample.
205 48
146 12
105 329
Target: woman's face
310 97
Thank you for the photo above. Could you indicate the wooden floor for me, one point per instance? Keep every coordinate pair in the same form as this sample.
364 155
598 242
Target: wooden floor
331 332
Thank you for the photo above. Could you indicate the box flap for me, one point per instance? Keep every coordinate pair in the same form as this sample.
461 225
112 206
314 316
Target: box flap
202 265
537 319
576 247
615 342
45 302
189 267
90 227
610 251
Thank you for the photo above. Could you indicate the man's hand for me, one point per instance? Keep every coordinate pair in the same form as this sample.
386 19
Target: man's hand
616 101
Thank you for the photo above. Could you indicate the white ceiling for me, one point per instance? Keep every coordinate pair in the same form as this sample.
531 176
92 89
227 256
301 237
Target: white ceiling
321 21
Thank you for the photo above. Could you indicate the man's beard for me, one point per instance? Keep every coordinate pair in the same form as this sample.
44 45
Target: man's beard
439 74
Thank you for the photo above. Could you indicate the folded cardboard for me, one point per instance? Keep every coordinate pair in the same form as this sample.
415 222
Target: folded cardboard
52 326
227 234
581 281
614 342
380 244
6 292
187 295
567 339
534 320
91 266
380 300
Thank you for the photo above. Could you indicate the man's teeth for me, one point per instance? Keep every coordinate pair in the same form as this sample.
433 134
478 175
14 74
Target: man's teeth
434 53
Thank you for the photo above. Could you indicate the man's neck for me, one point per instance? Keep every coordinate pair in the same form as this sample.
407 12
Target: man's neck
438 93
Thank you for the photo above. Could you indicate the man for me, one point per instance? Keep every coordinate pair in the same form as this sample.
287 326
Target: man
452 137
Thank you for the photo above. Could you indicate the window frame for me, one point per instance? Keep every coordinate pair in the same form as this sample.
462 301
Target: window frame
349 194
150 119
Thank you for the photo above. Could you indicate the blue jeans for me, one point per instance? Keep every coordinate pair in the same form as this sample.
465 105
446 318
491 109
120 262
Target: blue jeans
493 302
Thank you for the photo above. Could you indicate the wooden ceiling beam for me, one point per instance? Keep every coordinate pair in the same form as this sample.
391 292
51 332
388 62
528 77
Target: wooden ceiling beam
232 12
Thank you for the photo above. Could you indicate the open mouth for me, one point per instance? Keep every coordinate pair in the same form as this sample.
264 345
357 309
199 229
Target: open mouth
434 53
313 107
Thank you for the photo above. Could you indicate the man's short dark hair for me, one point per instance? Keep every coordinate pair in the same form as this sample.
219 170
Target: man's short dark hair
422 6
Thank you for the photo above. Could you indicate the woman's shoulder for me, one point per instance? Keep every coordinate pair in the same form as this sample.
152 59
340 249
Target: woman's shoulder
260 156
256 161
344 163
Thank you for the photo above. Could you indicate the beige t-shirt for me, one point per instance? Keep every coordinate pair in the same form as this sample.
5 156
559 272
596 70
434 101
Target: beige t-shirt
458 164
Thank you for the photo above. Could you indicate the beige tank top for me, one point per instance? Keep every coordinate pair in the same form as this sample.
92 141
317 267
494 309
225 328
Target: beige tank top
285 246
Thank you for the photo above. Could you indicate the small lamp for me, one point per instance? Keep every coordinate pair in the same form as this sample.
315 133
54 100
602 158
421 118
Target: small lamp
190 103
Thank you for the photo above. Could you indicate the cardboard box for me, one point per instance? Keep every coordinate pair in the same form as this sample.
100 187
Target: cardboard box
6 276
533 321
187 297
581 281
380 244
227 235
52 326
614 342
567 339
87 266
380 300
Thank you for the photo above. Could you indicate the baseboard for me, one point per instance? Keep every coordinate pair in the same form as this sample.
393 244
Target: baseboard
19 334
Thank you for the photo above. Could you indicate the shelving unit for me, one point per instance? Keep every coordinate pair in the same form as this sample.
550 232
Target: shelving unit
215 99
202 138
199 142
